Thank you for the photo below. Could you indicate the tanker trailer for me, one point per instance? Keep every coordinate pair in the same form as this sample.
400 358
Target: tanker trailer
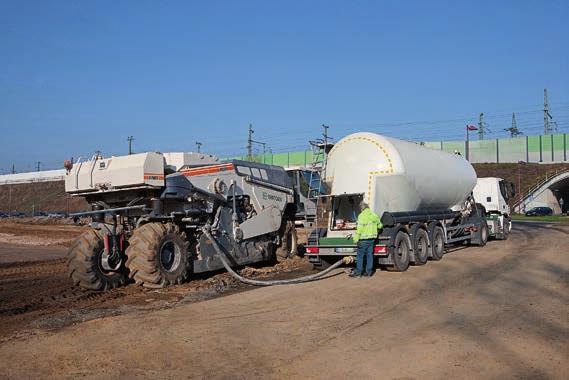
423 197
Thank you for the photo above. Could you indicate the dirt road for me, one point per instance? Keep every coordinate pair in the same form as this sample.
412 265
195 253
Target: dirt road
493 312
36 294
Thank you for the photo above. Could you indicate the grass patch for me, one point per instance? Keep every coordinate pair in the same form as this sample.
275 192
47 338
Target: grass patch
550 218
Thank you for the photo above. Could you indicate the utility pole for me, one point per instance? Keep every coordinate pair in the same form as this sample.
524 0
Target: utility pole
130 139
546 114
481 126
38 164
199 145
250 143
10 201
325 135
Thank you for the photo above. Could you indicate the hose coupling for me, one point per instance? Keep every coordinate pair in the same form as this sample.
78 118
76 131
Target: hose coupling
348 259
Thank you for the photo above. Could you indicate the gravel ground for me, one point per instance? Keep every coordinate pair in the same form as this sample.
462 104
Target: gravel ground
500 311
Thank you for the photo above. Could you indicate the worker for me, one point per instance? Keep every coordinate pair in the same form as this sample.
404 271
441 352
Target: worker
366 233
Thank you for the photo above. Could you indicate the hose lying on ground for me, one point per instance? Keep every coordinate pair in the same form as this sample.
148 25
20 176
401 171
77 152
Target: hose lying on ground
312 277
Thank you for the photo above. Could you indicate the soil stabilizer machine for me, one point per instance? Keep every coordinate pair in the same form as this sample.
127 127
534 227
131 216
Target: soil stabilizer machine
158 218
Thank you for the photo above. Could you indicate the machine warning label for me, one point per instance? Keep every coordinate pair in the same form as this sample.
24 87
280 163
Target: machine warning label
271 197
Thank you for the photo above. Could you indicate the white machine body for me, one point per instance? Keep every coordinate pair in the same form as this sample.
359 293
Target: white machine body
143 170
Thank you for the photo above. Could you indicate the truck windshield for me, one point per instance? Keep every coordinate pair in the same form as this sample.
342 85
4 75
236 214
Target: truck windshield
345 211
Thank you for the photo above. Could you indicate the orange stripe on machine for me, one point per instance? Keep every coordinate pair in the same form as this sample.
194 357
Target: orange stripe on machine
154 176
208 170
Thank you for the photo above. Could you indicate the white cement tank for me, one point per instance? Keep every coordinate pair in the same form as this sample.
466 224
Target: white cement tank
396 175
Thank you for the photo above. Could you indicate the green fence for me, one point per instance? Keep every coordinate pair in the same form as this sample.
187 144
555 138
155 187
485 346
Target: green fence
543 148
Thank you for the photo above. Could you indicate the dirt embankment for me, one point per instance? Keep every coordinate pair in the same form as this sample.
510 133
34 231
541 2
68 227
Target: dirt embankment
39 231
39 196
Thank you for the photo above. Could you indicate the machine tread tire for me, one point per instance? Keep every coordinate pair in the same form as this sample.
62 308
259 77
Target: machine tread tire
83 263
144 255
289 243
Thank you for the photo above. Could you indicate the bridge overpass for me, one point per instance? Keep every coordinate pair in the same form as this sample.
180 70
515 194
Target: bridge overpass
551 191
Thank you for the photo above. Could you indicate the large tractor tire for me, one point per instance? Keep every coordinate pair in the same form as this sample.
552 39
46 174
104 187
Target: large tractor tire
85 264
158 255
289 243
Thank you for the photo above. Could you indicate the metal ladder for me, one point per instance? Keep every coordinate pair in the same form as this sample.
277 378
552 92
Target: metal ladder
317 169
318 162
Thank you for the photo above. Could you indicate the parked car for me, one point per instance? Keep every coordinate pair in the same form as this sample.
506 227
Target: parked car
18 214
539 211
40 213
57 215
3 215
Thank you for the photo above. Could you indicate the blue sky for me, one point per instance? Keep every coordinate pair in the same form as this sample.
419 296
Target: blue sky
78 76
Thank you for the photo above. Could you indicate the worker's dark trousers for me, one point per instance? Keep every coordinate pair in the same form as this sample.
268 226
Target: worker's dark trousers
365 248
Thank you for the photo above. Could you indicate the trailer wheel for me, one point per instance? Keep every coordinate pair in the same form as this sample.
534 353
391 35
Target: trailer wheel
158 255
420 240
437 243
84 264
401 252
289 243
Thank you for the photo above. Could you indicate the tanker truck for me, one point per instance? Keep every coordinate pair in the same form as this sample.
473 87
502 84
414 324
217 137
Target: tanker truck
423 196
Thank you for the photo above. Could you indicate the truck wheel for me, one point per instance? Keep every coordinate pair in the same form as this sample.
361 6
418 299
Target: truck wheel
483 234
84 263
158 255
289 243
420 240
437 243
506 231
401 252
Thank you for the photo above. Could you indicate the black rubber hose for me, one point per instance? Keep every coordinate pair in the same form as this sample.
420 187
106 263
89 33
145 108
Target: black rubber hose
312 277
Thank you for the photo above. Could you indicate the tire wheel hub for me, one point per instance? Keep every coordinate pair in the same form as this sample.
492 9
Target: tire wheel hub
169 256
109 263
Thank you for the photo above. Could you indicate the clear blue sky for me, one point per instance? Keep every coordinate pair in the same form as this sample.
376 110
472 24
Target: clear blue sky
77 76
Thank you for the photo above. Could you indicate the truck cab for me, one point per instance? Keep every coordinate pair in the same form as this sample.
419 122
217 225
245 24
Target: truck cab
493 194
